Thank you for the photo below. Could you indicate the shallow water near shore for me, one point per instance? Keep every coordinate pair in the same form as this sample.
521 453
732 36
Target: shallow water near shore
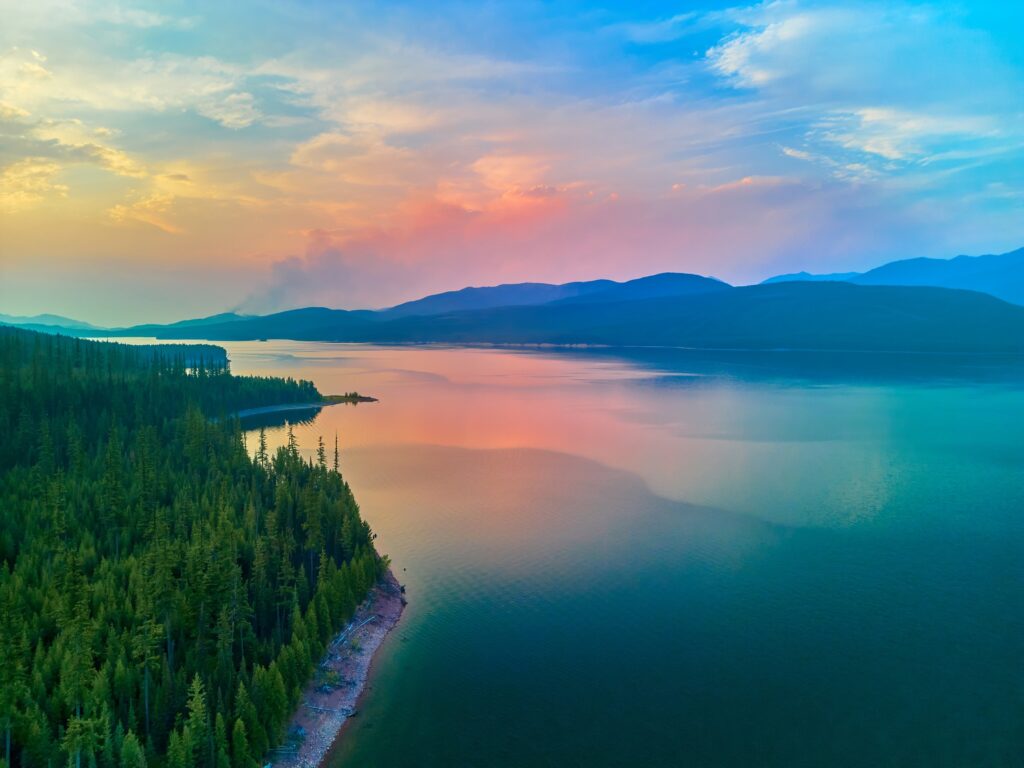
669 558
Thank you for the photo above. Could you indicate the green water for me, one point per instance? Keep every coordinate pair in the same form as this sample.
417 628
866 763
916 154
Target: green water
677 560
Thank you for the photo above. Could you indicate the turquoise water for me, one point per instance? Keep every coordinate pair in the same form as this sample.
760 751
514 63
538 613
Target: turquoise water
675 559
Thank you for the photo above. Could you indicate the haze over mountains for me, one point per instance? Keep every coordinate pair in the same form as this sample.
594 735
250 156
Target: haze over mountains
46 321
528 294
1001 275
919 305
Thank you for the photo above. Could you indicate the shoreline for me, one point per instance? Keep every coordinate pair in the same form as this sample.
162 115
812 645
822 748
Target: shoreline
327 401
351 398
264 409
324 710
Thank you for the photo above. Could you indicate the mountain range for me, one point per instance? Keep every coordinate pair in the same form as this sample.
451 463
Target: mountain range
46 322
891 308
1001 275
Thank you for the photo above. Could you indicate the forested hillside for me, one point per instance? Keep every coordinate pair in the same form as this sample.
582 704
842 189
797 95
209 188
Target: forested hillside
678 311
163 596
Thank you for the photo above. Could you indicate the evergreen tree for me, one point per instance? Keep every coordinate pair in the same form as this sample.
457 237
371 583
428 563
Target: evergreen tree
222 756
198 727
132 755
145 649
240 756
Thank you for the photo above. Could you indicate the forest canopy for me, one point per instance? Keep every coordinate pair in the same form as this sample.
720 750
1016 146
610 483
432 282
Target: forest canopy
164 595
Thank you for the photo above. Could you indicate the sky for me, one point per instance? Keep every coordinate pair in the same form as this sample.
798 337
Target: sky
176 159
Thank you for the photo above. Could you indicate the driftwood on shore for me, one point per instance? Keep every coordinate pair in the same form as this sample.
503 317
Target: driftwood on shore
351 629
346 711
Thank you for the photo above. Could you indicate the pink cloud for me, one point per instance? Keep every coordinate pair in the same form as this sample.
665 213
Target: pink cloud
736 231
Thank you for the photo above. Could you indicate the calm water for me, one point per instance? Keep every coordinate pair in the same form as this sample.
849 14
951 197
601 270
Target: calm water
678 559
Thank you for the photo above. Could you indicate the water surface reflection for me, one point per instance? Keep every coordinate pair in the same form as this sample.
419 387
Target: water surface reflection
664 558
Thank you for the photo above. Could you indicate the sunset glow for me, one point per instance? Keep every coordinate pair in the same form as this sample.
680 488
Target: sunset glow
167 160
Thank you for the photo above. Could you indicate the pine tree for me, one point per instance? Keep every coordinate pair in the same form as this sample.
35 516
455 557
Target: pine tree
145 648
222 758
79 739
132 755
198 727
245 711
179 750
240 757
261 451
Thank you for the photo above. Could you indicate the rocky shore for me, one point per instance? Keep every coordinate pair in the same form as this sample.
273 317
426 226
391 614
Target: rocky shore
330 699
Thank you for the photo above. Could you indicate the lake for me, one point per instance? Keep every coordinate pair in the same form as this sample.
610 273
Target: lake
672 558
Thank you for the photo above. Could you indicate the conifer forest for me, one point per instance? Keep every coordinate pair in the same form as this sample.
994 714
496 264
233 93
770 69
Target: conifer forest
165 590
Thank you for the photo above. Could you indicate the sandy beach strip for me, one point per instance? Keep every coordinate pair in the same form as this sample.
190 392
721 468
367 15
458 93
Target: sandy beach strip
324 708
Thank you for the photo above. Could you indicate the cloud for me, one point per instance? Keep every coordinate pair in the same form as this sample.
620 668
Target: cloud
203 84
875 87
572 234
151 209
35 153
799 154
76 142
28 182
139 17
896 134
234 110
87 13
363 160
9 112
868 59
843 54
167 194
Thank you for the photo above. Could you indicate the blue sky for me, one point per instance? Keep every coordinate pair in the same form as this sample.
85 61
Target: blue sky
171 159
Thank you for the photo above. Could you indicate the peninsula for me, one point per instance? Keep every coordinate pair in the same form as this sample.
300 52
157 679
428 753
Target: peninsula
235 573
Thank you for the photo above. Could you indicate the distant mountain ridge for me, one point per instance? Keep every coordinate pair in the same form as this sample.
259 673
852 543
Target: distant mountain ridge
1001 275
508 295
321 322
651 287
47 320
218 319
788 315
810 277
532 294
807 316
841 311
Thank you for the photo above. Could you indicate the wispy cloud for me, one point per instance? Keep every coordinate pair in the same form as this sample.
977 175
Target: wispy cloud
139 17
371 156
28 182
895 134
877 87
